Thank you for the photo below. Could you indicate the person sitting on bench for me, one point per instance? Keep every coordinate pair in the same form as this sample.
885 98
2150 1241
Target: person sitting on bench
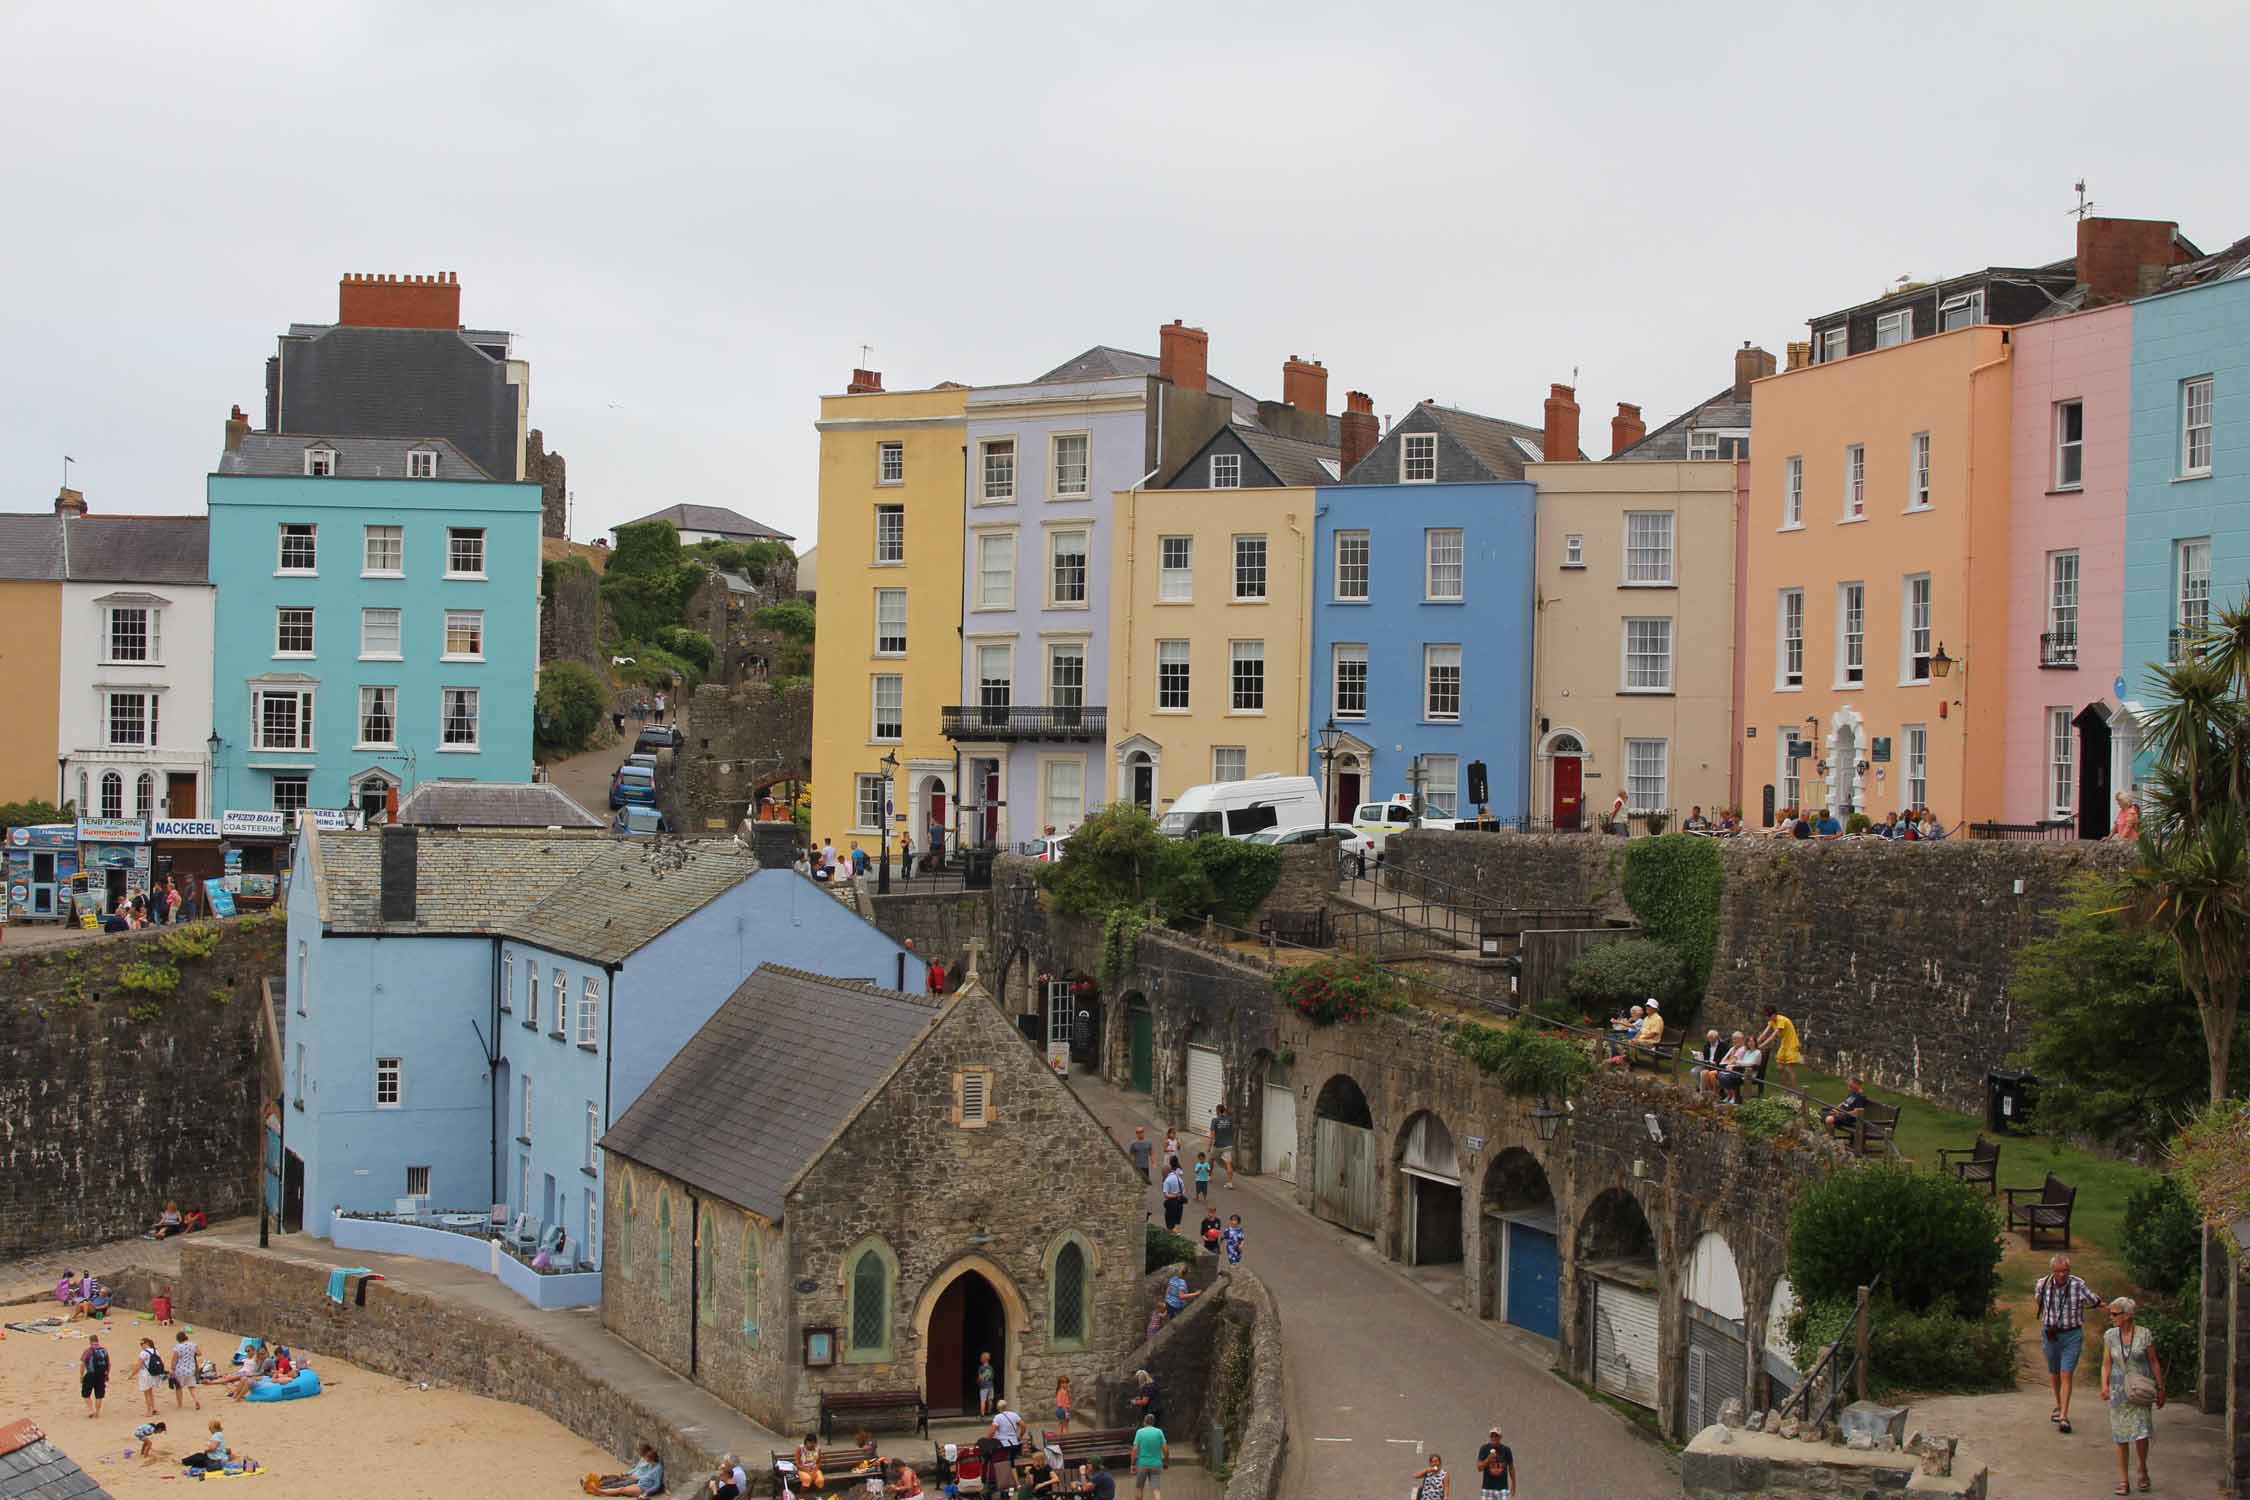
1848 1110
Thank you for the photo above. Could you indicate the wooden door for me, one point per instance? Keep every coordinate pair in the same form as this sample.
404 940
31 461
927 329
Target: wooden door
179 794
1568 797
1344 1176
1347 795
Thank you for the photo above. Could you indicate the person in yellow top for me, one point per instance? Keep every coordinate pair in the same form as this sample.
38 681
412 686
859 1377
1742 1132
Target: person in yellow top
1779 1041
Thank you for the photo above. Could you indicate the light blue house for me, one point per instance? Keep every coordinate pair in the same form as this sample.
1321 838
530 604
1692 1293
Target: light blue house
2187 496
1422 615
466 1013
380 623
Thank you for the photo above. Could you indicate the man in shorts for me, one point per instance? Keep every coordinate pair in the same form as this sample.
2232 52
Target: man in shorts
1496 1468
2062 1300
1150 1454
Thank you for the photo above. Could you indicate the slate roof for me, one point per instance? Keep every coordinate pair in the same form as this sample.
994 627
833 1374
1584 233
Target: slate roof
2219 265
31 1468
1102 361
1292 460
713 518
493 804
1502 446
140 549
586 894
31 547
283 453
754 1097
1671 440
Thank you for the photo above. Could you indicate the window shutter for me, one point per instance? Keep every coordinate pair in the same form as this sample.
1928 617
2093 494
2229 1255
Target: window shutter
973 1090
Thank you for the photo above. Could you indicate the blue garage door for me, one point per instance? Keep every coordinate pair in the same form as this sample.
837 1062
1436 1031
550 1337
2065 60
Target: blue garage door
1534 1265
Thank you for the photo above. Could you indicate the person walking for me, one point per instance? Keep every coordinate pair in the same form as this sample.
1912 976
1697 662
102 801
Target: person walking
659 708
1141 1150
2133 1380
934 977
186 1360
2062 1300
148 1373
1175 1195
1222 1140
1431 1483
1496 1468
1150 1454
1231 1238
1779 1042
93 1375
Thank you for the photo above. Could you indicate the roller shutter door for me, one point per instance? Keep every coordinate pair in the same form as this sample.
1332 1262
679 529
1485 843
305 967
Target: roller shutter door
1277 1134
1206 1086
1625 1343
1716 1360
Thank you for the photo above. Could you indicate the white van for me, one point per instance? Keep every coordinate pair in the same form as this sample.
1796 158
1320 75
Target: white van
1239 808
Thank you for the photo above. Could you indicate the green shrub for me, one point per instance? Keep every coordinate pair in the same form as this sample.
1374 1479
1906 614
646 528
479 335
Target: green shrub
1524 1059
644 547
1937 1350
29 814
689 645
568 708
1115 859
1238 875
1673 884
1762 1119
1858 822
2172 1323
149 979
195 941
1607 977
793 620
1165 1248
1343 988
1933 1239
753 560
2163 1239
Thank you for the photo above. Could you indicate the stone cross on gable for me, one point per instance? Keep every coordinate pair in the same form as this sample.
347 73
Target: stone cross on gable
971 981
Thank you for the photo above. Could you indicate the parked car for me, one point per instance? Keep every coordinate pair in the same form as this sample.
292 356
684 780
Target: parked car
639 822
659 737
1374 822
632 785
1238 809
1310 833
1045 847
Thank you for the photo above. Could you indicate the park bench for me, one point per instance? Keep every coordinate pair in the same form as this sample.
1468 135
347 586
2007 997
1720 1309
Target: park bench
1980 1163
2044 1210
1097 1445
1300 929
838 1466
1664 1053
1875 1129
860 1403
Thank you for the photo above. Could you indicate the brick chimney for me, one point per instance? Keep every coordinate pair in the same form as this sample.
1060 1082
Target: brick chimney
69 502
1800 353
364 301
2125 257
238 428
1750 363
864 382
774 844
1356 430
1185 356
1561 444
1304 384
1626 428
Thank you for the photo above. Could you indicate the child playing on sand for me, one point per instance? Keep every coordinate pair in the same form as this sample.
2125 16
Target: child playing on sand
147 1432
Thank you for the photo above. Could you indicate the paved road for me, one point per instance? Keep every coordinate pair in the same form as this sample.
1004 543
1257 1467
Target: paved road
1380 1372
585 777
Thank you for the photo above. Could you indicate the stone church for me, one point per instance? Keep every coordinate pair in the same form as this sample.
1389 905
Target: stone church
835 1187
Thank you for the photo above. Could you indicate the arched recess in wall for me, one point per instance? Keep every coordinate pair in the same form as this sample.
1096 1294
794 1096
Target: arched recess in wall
1718 1350
1203 1069
1617 1275
1345 1167
1522 1280
1428 1189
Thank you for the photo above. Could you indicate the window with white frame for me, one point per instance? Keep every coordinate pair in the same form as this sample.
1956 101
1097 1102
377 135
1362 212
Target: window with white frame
459 729
1441 683
1855 481
1574 550
1354 553
113 795
531 992
2062 609
561 984
299 548
1443 550
1247 677
1792 784
417 1182
1175 569
1915 609
390 1082
1249 568
132 632
1894 328
1851 634
1793 491
524 1130
1718 442
2070 445
383 551
291 794
464 552
1789 636
995 673
1441 785
1648 655
890 708
2192 601
1835 344
1351 681
2062 773
2195 426
464 635
890 463
1067 569
1066 793
320 462
281 718
1964 311
379 634
1230 763
292 632
1648 775
593 1160
421 463
1066 674
869 801
1648 546
507 979
144 794
1171 675
1226 471
890 622
996 569
1417 458
1070 479
996 458
378 718
131 720
1918 472
890 534
590 1012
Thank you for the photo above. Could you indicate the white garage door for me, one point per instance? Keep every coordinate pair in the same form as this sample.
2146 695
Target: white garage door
1277 1132
1625 1343
1205 1087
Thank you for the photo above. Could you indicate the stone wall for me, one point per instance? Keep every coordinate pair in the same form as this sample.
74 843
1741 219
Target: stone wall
940 923
1308 878
570 617
552 475
1262 1443
1892 958
739 740
116 1100
1737 1464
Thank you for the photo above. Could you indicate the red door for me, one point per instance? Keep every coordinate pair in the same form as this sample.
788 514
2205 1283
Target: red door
1567 797
1347 795
991 807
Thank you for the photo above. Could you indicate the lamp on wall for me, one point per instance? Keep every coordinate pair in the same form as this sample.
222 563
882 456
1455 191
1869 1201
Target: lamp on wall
1941 665
1546 1119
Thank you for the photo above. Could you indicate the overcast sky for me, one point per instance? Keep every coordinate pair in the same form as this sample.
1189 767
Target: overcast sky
693 217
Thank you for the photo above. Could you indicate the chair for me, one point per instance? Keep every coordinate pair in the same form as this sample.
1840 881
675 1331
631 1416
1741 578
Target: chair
1979 1163
2046 1210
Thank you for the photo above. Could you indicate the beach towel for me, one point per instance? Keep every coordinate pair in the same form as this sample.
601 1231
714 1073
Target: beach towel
336 1281
36 1325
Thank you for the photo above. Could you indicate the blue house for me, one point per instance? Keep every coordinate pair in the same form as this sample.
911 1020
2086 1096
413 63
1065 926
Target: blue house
2187 486
467 1013
1422 615
381 623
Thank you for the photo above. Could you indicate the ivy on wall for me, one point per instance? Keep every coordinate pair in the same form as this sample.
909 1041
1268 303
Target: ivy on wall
1673 884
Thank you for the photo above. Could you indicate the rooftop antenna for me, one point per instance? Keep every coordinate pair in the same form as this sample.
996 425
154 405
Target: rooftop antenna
66 463
2085 204
866 353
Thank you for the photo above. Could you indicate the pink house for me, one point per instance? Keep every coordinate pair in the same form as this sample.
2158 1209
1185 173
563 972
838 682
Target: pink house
2069 742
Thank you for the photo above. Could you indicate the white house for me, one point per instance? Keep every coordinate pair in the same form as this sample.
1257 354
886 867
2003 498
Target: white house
709 523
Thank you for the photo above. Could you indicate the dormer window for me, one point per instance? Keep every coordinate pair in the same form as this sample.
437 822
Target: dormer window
1417 458
1964 311
320 462
421 463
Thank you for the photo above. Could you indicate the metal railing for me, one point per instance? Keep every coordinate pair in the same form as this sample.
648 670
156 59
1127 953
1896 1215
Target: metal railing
2058 648
2050 830
1843 1367
1410 912
1023 721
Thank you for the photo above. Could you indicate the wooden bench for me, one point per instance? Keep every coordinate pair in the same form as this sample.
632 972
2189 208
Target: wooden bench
1875 1129
1096 1445
1980 1163
847 1465
2046 1209
860 1403
1659 1054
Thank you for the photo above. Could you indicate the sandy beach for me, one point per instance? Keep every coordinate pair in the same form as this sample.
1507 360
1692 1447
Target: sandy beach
364 1436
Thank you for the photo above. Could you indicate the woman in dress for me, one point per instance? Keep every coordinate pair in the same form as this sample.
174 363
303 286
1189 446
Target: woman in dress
2133 1380
1431 1483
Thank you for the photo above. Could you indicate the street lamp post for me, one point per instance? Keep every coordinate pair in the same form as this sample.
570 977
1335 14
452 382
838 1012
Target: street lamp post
1330 737
883 871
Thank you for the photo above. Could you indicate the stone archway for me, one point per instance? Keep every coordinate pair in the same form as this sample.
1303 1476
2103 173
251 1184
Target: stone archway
1426 1193
1614 1312
1717 1345
1345 1177
949 1300
1521 1273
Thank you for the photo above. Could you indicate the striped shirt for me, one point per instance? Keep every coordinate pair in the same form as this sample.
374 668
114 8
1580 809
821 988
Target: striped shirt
2063 1307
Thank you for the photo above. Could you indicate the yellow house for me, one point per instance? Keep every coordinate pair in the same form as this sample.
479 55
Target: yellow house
30 656
1210 630
1635 665
887 655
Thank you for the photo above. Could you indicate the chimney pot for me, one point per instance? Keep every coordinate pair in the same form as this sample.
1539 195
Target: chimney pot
1304 385
1356 433
238 428
1626 428
864 382
2119 258
1561 442
69 502
394 301
1184 356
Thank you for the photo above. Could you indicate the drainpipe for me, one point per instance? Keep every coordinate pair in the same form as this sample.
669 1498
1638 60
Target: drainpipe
1304 595
962 632
694 1275
609 1073
492 1072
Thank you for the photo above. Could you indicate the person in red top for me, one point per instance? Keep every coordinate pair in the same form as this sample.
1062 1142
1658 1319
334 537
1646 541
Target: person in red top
937 976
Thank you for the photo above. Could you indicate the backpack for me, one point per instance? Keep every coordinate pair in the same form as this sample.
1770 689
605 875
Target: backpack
97 1361
153 1362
